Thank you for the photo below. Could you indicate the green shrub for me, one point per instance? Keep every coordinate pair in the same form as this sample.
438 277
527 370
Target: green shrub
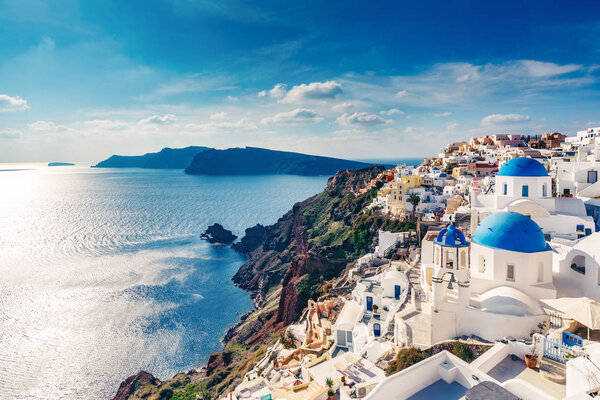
462 351
406 358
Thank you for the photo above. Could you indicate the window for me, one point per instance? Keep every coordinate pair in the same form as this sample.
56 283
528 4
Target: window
567 191
592 176
540 273
505 189
579 228
544 190
525 191
510 272
463 259
481 264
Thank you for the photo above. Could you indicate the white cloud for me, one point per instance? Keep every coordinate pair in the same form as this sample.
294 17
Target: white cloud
107 124
442 114
409 129
233 99
158 120
454 83
313 91
452 126
494 119
8 103
361 118
391 111
277 92
345 106
297 116
46 126
218 115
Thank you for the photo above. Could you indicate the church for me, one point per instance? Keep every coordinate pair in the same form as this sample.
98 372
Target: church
523 185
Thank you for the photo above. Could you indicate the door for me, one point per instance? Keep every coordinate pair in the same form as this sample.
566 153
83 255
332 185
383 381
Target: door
377 329
397 291
369 303
592 176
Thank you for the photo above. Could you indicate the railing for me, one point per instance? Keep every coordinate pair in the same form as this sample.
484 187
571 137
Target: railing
555 350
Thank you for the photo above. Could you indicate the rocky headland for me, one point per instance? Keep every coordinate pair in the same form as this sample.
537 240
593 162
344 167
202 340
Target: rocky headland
298 258
218 235
257 161
167 158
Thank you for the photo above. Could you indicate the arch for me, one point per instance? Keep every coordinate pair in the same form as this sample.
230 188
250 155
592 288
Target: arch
578 264
528 207
437 255
481 264
463 259
540 272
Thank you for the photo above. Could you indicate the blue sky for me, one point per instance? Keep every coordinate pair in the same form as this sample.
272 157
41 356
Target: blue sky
81 80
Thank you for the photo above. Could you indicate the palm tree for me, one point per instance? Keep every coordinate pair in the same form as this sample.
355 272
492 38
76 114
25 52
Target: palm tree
414 199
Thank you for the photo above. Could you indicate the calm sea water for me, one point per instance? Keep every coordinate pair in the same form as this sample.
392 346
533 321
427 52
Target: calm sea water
102 272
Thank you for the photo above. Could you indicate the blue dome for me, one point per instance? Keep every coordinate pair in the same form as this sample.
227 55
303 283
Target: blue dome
451 236
510 231
443 175
435 169
522 166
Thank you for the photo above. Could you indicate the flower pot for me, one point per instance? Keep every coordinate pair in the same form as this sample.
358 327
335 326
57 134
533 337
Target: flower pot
530 361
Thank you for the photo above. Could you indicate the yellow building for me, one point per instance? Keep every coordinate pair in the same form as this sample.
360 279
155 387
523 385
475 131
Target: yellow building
397 197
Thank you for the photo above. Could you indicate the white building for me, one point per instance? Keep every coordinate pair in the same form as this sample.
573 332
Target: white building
492 287
524 186
366 317
577 268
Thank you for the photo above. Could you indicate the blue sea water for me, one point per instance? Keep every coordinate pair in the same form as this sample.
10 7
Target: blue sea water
103 274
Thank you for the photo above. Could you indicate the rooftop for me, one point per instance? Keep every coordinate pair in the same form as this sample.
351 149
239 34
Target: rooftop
522 166
509 369
510 231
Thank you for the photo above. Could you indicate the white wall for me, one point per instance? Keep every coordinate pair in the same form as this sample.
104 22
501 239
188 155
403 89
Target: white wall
525 271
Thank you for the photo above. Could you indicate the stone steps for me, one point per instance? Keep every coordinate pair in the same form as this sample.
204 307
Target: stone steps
553 371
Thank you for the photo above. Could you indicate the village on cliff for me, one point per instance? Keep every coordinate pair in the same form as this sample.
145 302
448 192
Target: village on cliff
494 296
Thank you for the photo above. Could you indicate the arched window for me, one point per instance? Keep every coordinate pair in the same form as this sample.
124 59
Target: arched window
437 255
481 264
540 272
578 264
544 190
463 258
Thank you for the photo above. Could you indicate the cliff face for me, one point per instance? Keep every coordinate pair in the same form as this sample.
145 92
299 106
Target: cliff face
256 161
310 244
288 263
167 158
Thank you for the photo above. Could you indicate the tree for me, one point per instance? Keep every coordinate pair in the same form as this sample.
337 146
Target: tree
414 200
449 167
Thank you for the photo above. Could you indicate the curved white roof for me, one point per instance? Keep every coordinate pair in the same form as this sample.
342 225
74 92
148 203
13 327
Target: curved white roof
508 300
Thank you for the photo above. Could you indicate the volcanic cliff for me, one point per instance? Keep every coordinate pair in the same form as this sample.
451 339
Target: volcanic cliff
288 263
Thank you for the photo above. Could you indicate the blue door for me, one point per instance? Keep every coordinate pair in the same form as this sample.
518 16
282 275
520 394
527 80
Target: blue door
376 330
397 291
369 303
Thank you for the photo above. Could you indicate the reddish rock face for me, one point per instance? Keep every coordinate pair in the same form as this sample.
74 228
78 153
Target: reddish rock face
131 384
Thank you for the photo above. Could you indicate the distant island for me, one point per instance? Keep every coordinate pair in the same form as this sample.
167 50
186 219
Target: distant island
167 158
60 164
257 161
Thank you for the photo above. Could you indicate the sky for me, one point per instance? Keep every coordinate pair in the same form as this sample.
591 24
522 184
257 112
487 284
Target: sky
81 80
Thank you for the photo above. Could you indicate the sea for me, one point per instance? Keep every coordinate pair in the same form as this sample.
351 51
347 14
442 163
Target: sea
103 273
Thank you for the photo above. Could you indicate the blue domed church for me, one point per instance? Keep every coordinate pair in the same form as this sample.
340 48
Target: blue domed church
490 286
523 186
